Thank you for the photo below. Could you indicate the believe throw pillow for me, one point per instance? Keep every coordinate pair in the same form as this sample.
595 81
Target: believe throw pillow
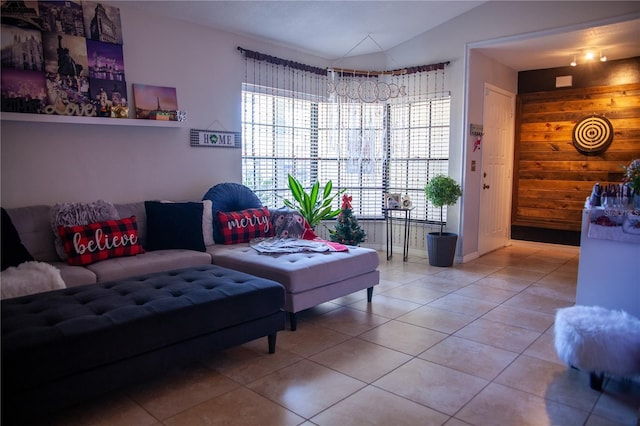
85 244
74 214
244 225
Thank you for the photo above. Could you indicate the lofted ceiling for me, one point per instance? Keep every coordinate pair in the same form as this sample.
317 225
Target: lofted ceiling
337 29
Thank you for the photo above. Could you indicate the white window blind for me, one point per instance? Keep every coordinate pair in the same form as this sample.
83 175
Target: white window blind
418 150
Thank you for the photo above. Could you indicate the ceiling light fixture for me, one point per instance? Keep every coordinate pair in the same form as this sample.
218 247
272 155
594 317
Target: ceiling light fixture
589 54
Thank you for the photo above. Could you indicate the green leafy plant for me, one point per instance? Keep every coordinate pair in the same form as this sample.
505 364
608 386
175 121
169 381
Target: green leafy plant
314 206
442 191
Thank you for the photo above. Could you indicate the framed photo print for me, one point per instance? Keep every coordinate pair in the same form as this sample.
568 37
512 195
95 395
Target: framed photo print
393 201
102 22
105 60
155 102
23 91
62 17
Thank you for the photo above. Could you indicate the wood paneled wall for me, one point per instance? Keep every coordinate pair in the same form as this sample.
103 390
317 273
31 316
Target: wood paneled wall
552 179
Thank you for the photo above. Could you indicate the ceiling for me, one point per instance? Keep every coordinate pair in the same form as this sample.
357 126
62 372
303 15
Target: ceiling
337 29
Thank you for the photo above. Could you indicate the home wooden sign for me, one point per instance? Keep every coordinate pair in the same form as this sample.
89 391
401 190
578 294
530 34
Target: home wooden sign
215 138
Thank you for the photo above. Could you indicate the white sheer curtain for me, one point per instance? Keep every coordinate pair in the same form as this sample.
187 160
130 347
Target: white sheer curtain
371 133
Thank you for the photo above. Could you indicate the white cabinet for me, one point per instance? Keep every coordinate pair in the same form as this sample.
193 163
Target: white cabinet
609 272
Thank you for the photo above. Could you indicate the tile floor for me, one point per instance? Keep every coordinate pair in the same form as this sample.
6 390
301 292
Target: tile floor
466 345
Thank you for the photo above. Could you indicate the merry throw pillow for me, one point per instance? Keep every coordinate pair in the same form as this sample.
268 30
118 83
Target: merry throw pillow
244 225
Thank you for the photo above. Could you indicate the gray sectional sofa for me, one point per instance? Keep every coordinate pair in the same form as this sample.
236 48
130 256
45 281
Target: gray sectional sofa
309 278
143 313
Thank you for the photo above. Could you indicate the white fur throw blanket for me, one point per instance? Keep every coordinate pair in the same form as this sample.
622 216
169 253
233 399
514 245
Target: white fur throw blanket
29 278
596 339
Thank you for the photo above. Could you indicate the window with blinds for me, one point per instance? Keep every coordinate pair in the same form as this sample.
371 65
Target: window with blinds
280 137
291 125
418 151
347 144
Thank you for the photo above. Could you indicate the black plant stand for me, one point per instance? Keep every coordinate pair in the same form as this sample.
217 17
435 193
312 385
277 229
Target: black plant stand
388 215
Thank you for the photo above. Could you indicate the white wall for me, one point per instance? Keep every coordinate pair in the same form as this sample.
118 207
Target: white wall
484 70
448 42
43 163
46 163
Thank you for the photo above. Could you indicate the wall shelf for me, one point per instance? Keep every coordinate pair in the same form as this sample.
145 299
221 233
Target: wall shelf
70 119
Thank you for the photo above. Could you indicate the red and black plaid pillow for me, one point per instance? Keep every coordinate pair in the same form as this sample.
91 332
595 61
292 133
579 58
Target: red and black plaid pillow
97 241
242 226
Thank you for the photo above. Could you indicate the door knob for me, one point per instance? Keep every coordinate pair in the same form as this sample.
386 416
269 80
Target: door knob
485 186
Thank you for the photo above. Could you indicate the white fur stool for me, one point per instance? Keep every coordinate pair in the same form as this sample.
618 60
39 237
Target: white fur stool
599 341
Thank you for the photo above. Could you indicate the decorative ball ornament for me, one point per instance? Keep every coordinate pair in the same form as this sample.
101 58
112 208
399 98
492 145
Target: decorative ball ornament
353 90
342 88
368 91
384 92
592 135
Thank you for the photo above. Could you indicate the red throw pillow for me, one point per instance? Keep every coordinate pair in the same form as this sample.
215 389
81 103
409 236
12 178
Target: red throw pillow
245 225
85 244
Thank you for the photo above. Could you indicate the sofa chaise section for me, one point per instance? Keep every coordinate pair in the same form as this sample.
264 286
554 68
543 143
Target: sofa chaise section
69 345
309 278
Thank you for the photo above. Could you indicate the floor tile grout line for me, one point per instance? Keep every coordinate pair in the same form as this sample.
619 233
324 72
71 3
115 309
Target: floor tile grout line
553 281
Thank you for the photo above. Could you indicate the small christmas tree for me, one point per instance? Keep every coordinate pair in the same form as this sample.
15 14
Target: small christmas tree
347 230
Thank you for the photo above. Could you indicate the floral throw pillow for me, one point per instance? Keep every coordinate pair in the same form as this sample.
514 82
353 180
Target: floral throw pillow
288 223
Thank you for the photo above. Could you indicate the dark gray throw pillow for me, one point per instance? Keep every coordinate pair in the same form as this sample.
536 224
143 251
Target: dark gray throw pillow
13 252
174 226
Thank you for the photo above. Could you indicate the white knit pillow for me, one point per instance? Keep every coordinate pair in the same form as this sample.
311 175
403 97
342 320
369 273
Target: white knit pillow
74 214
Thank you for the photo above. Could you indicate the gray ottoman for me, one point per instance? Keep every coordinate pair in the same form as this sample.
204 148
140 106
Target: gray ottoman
309 278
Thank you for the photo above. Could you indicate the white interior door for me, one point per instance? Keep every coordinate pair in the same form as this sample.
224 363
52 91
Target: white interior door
497 165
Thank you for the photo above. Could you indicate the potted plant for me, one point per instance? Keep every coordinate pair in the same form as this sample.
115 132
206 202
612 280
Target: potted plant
441 246
314 206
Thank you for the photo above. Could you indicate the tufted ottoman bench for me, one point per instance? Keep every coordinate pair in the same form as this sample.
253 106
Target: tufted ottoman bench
309 278
65 346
